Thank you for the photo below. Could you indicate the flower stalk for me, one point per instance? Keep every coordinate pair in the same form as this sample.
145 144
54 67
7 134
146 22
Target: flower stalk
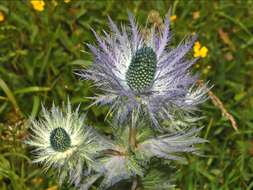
133 130
132 138
135 183
133 143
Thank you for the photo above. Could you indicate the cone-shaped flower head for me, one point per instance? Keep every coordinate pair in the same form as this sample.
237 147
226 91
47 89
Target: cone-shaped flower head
60 140
63 142
143 74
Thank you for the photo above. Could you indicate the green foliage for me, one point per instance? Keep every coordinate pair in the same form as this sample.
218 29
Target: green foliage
39 52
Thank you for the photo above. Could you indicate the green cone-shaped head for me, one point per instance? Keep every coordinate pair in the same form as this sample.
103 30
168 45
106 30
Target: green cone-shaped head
60 140
141 71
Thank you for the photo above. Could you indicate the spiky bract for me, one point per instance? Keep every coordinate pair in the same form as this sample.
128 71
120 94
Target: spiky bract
170 146
123 164
61 141
143 74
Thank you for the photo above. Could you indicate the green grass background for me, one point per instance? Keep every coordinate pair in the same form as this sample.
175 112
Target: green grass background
39 51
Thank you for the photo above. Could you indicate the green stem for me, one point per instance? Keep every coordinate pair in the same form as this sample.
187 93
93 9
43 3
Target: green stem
132 137
134 184
132 132
132 144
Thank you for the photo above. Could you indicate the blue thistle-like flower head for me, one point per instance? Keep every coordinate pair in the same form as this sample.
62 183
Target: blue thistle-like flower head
143 74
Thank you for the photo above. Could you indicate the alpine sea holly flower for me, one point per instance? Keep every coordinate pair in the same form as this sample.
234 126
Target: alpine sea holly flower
63 142
143 74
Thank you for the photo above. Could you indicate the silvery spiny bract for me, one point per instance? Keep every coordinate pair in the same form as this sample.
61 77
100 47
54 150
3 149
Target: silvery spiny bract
143 73
61 141
119 163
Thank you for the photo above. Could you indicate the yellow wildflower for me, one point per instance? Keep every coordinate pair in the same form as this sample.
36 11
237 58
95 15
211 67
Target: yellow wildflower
173 18
196 46
38 5
1 16
199 51
67 1
203 51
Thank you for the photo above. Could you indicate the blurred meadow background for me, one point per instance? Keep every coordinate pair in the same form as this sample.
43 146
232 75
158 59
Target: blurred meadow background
42 44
